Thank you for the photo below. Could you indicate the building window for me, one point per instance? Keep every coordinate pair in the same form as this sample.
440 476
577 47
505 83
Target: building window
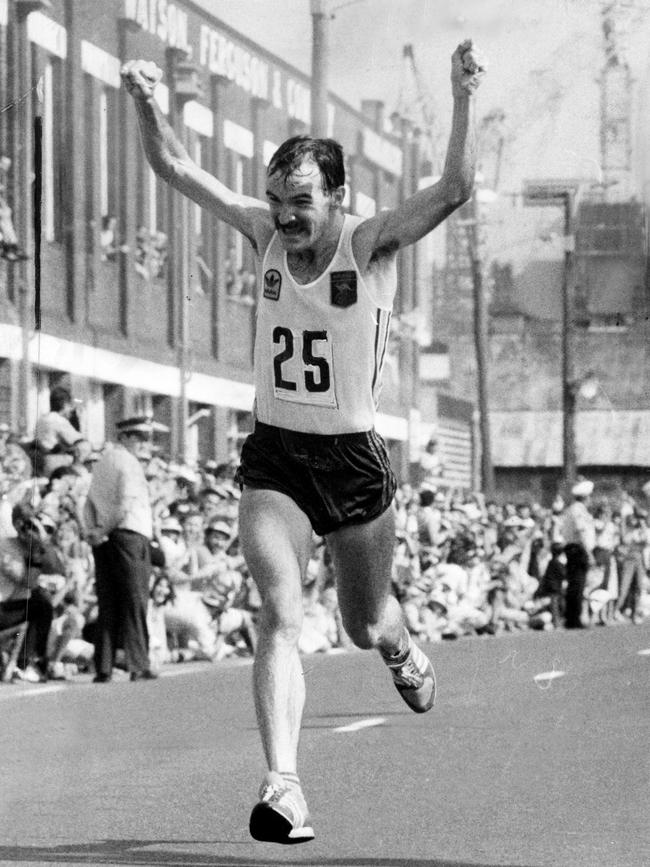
150 240
108 160
240 278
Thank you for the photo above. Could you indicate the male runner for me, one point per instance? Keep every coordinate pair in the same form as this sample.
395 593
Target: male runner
314 461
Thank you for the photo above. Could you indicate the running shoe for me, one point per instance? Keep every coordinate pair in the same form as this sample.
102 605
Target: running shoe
414 677
281 815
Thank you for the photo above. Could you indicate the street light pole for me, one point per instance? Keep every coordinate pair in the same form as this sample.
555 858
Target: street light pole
481 343
569 395
563 192
320 55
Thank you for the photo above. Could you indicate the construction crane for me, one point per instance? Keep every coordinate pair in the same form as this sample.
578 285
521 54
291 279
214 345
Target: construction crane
415 104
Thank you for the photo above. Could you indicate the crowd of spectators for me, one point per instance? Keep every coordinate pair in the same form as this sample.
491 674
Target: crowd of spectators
462 566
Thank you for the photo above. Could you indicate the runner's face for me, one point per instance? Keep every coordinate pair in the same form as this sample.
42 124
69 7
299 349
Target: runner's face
301 210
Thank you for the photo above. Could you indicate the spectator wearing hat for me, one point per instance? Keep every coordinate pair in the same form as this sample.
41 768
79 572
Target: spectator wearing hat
118 518
579 533
55 433
172 544
212 504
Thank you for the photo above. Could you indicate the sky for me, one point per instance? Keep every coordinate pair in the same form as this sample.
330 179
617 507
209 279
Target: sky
544 63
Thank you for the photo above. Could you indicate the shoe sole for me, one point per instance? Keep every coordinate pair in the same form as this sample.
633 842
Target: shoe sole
269 826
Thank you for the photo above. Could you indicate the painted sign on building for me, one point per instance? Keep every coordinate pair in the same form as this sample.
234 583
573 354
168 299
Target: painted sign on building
165 20
222 56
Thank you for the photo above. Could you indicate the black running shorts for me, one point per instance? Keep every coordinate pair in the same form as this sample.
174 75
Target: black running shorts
335 480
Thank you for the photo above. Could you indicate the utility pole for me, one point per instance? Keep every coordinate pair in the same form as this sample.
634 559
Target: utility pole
563 193
481 346
320 56
187 86
569 390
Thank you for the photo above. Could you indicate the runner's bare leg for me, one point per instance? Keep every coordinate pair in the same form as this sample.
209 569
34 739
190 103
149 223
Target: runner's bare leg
276 541
363 558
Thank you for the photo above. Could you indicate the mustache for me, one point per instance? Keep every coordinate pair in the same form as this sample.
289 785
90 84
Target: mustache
293 224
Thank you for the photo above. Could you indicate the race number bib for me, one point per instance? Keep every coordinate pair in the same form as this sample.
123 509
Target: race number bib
303 370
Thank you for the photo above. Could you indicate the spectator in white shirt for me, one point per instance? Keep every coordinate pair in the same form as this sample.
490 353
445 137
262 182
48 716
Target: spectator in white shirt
118 519
55 433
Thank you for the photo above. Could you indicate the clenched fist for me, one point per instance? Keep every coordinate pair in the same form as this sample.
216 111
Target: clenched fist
140 78
467 68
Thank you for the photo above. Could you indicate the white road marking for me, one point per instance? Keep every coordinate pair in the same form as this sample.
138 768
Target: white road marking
37 690
645 652
361 724
548 675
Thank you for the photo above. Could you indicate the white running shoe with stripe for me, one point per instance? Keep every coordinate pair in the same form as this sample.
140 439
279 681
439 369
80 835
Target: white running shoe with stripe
281 815
414 677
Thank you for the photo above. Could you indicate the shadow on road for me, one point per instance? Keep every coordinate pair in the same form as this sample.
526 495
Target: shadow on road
133 852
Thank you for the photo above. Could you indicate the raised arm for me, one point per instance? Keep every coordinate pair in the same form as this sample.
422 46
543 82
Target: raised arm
422 212
171 162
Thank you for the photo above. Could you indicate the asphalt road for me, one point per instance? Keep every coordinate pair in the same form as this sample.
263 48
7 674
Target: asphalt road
508 769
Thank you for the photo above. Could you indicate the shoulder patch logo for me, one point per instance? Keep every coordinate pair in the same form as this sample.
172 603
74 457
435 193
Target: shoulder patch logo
343 288
272 284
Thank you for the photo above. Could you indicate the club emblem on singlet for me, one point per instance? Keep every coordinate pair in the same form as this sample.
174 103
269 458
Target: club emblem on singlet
343 287
272 284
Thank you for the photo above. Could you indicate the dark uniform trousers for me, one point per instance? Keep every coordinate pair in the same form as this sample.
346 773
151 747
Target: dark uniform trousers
577 566
122 575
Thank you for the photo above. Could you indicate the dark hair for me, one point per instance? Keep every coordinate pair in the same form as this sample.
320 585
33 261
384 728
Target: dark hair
325 152
59 397
61 472
426 497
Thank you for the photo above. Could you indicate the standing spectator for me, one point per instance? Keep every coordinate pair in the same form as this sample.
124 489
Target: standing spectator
118 518
579 534
607 540
431 464
55 433
634 538
429 518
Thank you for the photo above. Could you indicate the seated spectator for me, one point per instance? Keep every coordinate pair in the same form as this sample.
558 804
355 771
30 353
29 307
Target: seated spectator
549 595
212 504
172 545
16 482
464 617
187 619
76 556
58 499
193 537
421 617
67 650
183 497
214 555
232 622
513 593
160 597
55 434
23 560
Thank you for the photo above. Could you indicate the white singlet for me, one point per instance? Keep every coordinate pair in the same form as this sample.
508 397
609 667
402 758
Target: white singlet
320 346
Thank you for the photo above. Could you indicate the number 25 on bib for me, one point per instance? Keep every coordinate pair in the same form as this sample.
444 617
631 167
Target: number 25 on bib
303 370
